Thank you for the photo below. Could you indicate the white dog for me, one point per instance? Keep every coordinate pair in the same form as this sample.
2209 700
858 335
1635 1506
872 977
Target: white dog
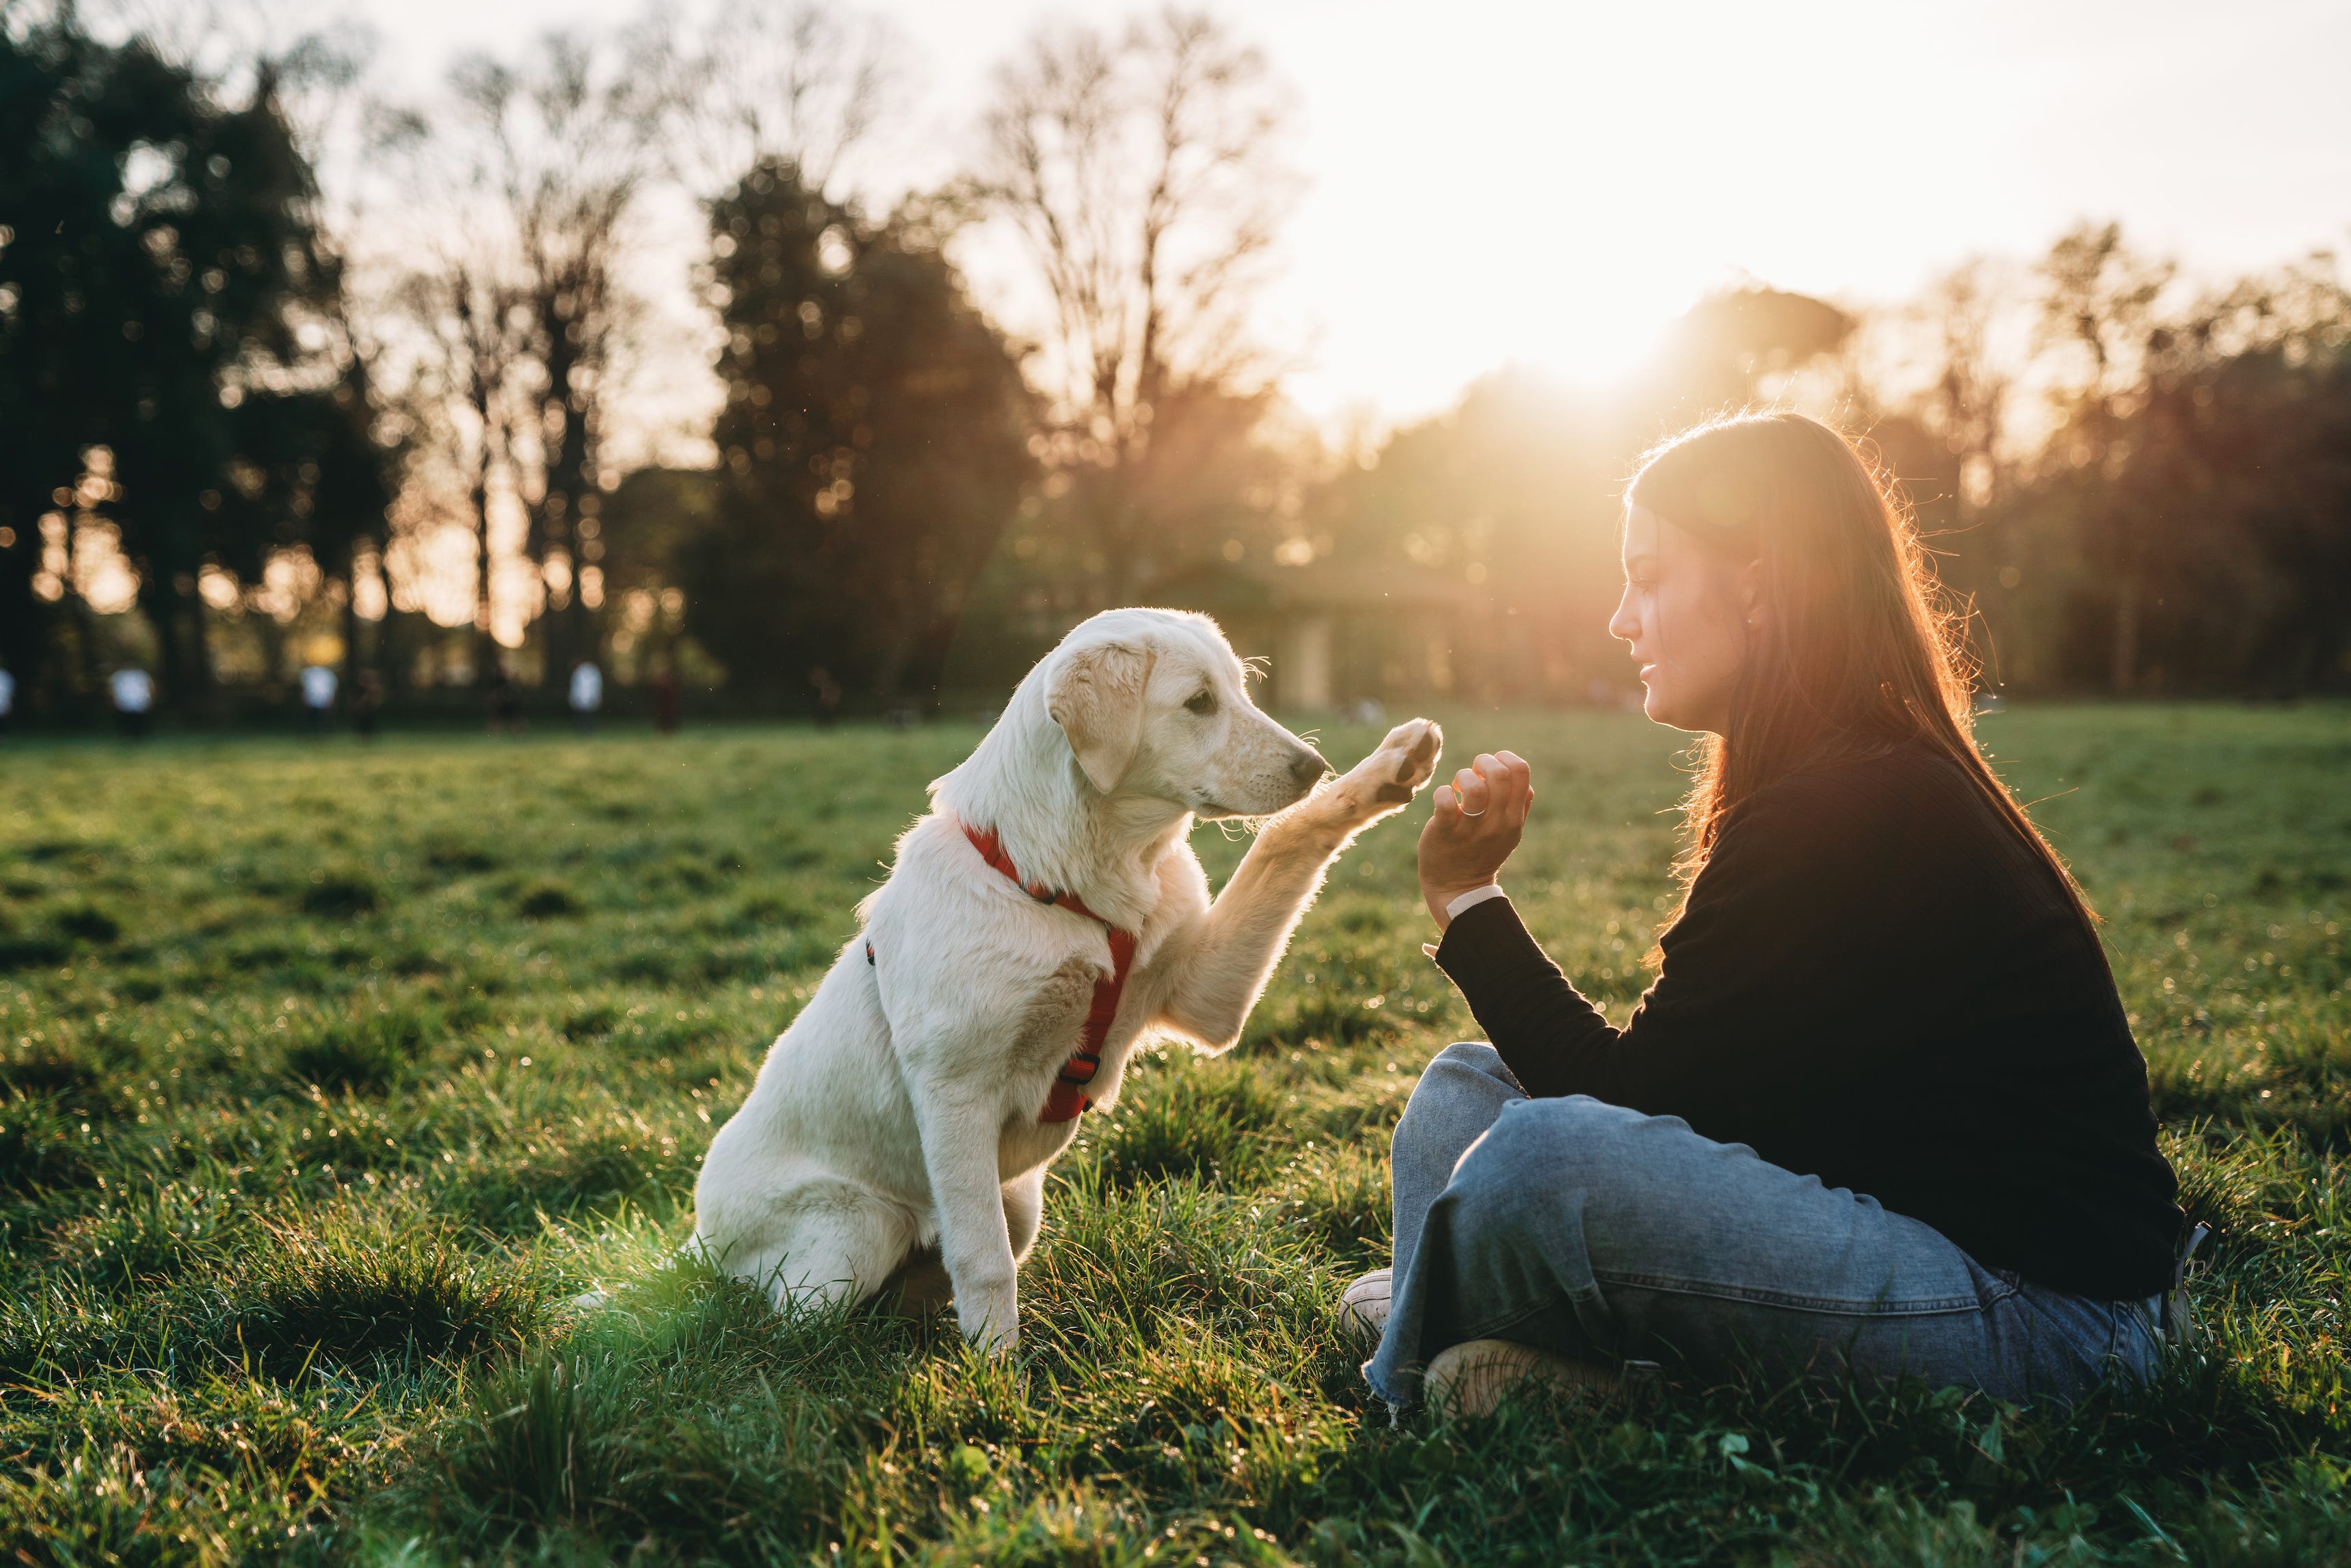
1044 916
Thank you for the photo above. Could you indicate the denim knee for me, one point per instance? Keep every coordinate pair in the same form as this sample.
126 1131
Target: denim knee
1463 1056
1575 1130
1538 1149
1468 1071
1522 1215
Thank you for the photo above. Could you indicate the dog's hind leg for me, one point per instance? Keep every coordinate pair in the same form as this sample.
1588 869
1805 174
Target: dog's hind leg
834 1243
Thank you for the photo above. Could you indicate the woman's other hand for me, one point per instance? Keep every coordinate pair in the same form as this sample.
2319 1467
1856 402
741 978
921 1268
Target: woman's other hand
1473 826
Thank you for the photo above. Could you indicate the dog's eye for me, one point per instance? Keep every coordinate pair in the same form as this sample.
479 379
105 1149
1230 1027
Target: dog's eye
1204 705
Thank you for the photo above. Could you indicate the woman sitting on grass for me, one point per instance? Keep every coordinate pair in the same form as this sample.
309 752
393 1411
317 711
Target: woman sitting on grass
1881 1111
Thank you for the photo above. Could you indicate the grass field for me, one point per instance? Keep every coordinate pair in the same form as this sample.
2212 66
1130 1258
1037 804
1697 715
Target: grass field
331 1075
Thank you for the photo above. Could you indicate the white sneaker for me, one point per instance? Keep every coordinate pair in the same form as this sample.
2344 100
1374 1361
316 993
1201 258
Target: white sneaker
1363 1310
1470 1378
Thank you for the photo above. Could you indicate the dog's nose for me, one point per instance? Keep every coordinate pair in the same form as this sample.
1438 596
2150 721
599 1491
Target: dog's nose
1308 767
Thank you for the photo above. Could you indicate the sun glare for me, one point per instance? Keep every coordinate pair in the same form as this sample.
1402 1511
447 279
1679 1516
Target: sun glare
1555 184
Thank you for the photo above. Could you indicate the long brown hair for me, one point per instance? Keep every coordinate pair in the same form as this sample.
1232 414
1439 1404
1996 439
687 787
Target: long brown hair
1857 651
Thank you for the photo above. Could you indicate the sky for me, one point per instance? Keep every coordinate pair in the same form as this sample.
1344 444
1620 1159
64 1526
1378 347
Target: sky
1550 183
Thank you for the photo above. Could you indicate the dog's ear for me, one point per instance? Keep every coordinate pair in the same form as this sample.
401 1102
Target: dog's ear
1096 696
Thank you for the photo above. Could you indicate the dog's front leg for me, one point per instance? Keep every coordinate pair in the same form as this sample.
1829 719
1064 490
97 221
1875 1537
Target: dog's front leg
960 1129
1223 966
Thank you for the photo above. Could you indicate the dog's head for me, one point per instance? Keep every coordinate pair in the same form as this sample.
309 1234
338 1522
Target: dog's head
1156 705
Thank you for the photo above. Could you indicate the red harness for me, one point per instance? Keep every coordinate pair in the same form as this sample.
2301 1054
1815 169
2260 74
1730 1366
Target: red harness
1066 1100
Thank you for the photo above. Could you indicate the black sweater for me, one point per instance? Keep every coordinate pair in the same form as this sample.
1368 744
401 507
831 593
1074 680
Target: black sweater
1879 982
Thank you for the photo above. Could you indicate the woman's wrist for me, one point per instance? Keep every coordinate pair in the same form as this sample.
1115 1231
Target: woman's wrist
1448 905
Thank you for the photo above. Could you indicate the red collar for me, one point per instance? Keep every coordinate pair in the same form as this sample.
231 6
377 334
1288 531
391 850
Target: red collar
1067 1099
991 849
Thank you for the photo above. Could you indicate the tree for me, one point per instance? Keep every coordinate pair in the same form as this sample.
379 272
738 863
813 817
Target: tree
1949 441
472 340
1728 350
166 289
1968 404
1143 177
568 143
874 441
1510 498
2099 307
2221 475
543 178
754 82
531 176
2187 524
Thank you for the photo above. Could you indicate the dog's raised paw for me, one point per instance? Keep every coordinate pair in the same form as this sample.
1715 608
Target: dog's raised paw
1416 741
1419 759
1405 761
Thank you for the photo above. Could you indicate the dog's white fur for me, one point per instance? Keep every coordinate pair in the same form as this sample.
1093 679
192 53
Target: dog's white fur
901 1108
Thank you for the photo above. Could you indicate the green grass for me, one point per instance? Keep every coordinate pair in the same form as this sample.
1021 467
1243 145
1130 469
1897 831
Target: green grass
328 1076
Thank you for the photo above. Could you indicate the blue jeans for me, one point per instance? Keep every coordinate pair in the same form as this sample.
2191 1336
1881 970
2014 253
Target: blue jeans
1603 1235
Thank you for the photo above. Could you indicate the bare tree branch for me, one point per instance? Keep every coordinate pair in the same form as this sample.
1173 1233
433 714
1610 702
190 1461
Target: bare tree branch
1143 178
753 81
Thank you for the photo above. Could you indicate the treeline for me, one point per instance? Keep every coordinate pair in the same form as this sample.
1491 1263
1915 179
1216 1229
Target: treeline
2137 483
433 425
179 389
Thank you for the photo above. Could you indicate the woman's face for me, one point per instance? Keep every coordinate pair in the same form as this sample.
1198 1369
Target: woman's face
1688 616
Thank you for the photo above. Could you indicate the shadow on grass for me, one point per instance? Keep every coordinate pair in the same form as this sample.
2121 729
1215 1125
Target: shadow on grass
345 1292
367 1054
686 1412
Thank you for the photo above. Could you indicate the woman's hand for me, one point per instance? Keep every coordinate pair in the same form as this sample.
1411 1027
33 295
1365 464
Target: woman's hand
1473 827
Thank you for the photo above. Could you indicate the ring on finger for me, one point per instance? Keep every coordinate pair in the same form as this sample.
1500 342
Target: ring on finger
1477 813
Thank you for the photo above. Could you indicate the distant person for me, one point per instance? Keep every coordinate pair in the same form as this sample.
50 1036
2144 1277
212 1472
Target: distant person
367 702
8 701
667 700
1880 1113
318 683
587 694
134 691
828 697
504 702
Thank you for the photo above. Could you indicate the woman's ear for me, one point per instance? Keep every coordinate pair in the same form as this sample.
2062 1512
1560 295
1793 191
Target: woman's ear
1096 696
1750 595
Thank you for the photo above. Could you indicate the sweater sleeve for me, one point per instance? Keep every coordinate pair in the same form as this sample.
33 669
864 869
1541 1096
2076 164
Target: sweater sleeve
1540 1023
1784 907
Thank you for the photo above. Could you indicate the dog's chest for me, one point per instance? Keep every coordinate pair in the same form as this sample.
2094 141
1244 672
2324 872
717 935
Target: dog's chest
1050 1025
